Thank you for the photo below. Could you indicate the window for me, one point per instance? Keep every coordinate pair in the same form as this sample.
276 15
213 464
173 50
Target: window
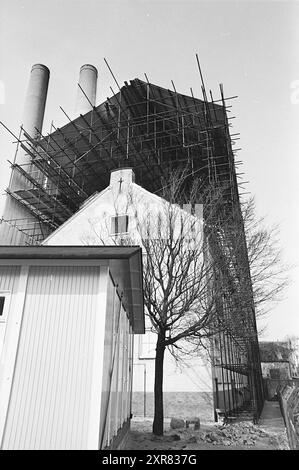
4 304
274 374
4 298
119 224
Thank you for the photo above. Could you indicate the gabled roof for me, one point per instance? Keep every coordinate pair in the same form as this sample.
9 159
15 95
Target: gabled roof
125 263
94 201
274 351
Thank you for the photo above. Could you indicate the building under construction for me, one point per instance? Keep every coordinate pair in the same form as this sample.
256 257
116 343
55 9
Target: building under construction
154 131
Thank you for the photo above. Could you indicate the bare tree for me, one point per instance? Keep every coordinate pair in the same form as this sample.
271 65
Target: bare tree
178 275
179 272
181 295
269 273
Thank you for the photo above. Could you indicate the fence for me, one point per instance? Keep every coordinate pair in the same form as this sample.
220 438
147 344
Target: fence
273 386
289 403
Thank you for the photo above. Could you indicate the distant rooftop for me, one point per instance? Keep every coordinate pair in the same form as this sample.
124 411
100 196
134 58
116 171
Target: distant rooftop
273 351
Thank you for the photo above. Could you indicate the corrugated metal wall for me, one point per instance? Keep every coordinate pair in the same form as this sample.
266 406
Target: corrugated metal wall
9 277
117 375
109 351
50 397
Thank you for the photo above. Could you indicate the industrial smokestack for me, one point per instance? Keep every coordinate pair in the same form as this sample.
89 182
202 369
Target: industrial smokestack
88 83
35 102
34 110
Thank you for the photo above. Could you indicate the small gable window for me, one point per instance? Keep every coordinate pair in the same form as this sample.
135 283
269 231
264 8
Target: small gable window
119 224
4 302
274 374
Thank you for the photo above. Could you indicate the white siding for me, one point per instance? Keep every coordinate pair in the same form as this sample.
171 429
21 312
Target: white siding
9 277
109 351
50 397
116 384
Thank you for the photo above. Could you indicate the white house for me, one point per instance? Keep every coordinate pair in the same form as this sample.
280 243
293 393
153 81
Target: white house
67 318
112 214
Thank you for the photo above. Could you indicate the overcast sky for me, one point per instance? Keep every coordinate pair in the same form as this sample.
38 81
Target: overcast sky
250 47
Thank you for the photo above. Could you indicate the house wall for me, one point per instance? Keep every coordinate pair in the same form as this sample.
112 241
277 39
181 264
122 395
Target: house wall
187 390
190 375
187 385
92 225
282 369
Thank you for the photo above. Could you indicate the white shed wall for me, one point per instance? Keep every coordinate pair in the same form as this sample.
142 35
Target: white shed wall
50 398
9 277
117 371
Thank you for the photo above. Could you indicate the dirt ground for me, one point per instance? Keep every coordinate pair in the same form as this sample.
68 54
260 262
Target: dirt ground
210 436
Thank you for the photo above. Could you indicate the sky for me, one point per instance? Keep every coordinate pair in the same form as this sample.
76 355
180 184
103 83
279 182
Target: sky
251 47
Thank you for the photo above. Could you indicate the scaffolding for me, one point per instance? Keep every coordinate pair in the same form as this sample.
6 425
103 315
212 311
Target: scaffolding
155 131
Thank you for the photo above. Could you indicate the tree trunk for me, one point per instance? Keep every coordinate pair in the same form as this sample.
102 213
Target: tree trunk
158 423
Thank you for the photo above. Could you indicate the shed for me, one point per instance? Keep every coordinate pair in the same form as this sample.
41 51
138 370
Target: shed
67 319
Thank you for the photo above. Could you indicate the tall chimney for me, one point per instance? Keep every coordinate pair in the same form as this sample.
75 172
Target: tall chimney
33 116
35 102
88 82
